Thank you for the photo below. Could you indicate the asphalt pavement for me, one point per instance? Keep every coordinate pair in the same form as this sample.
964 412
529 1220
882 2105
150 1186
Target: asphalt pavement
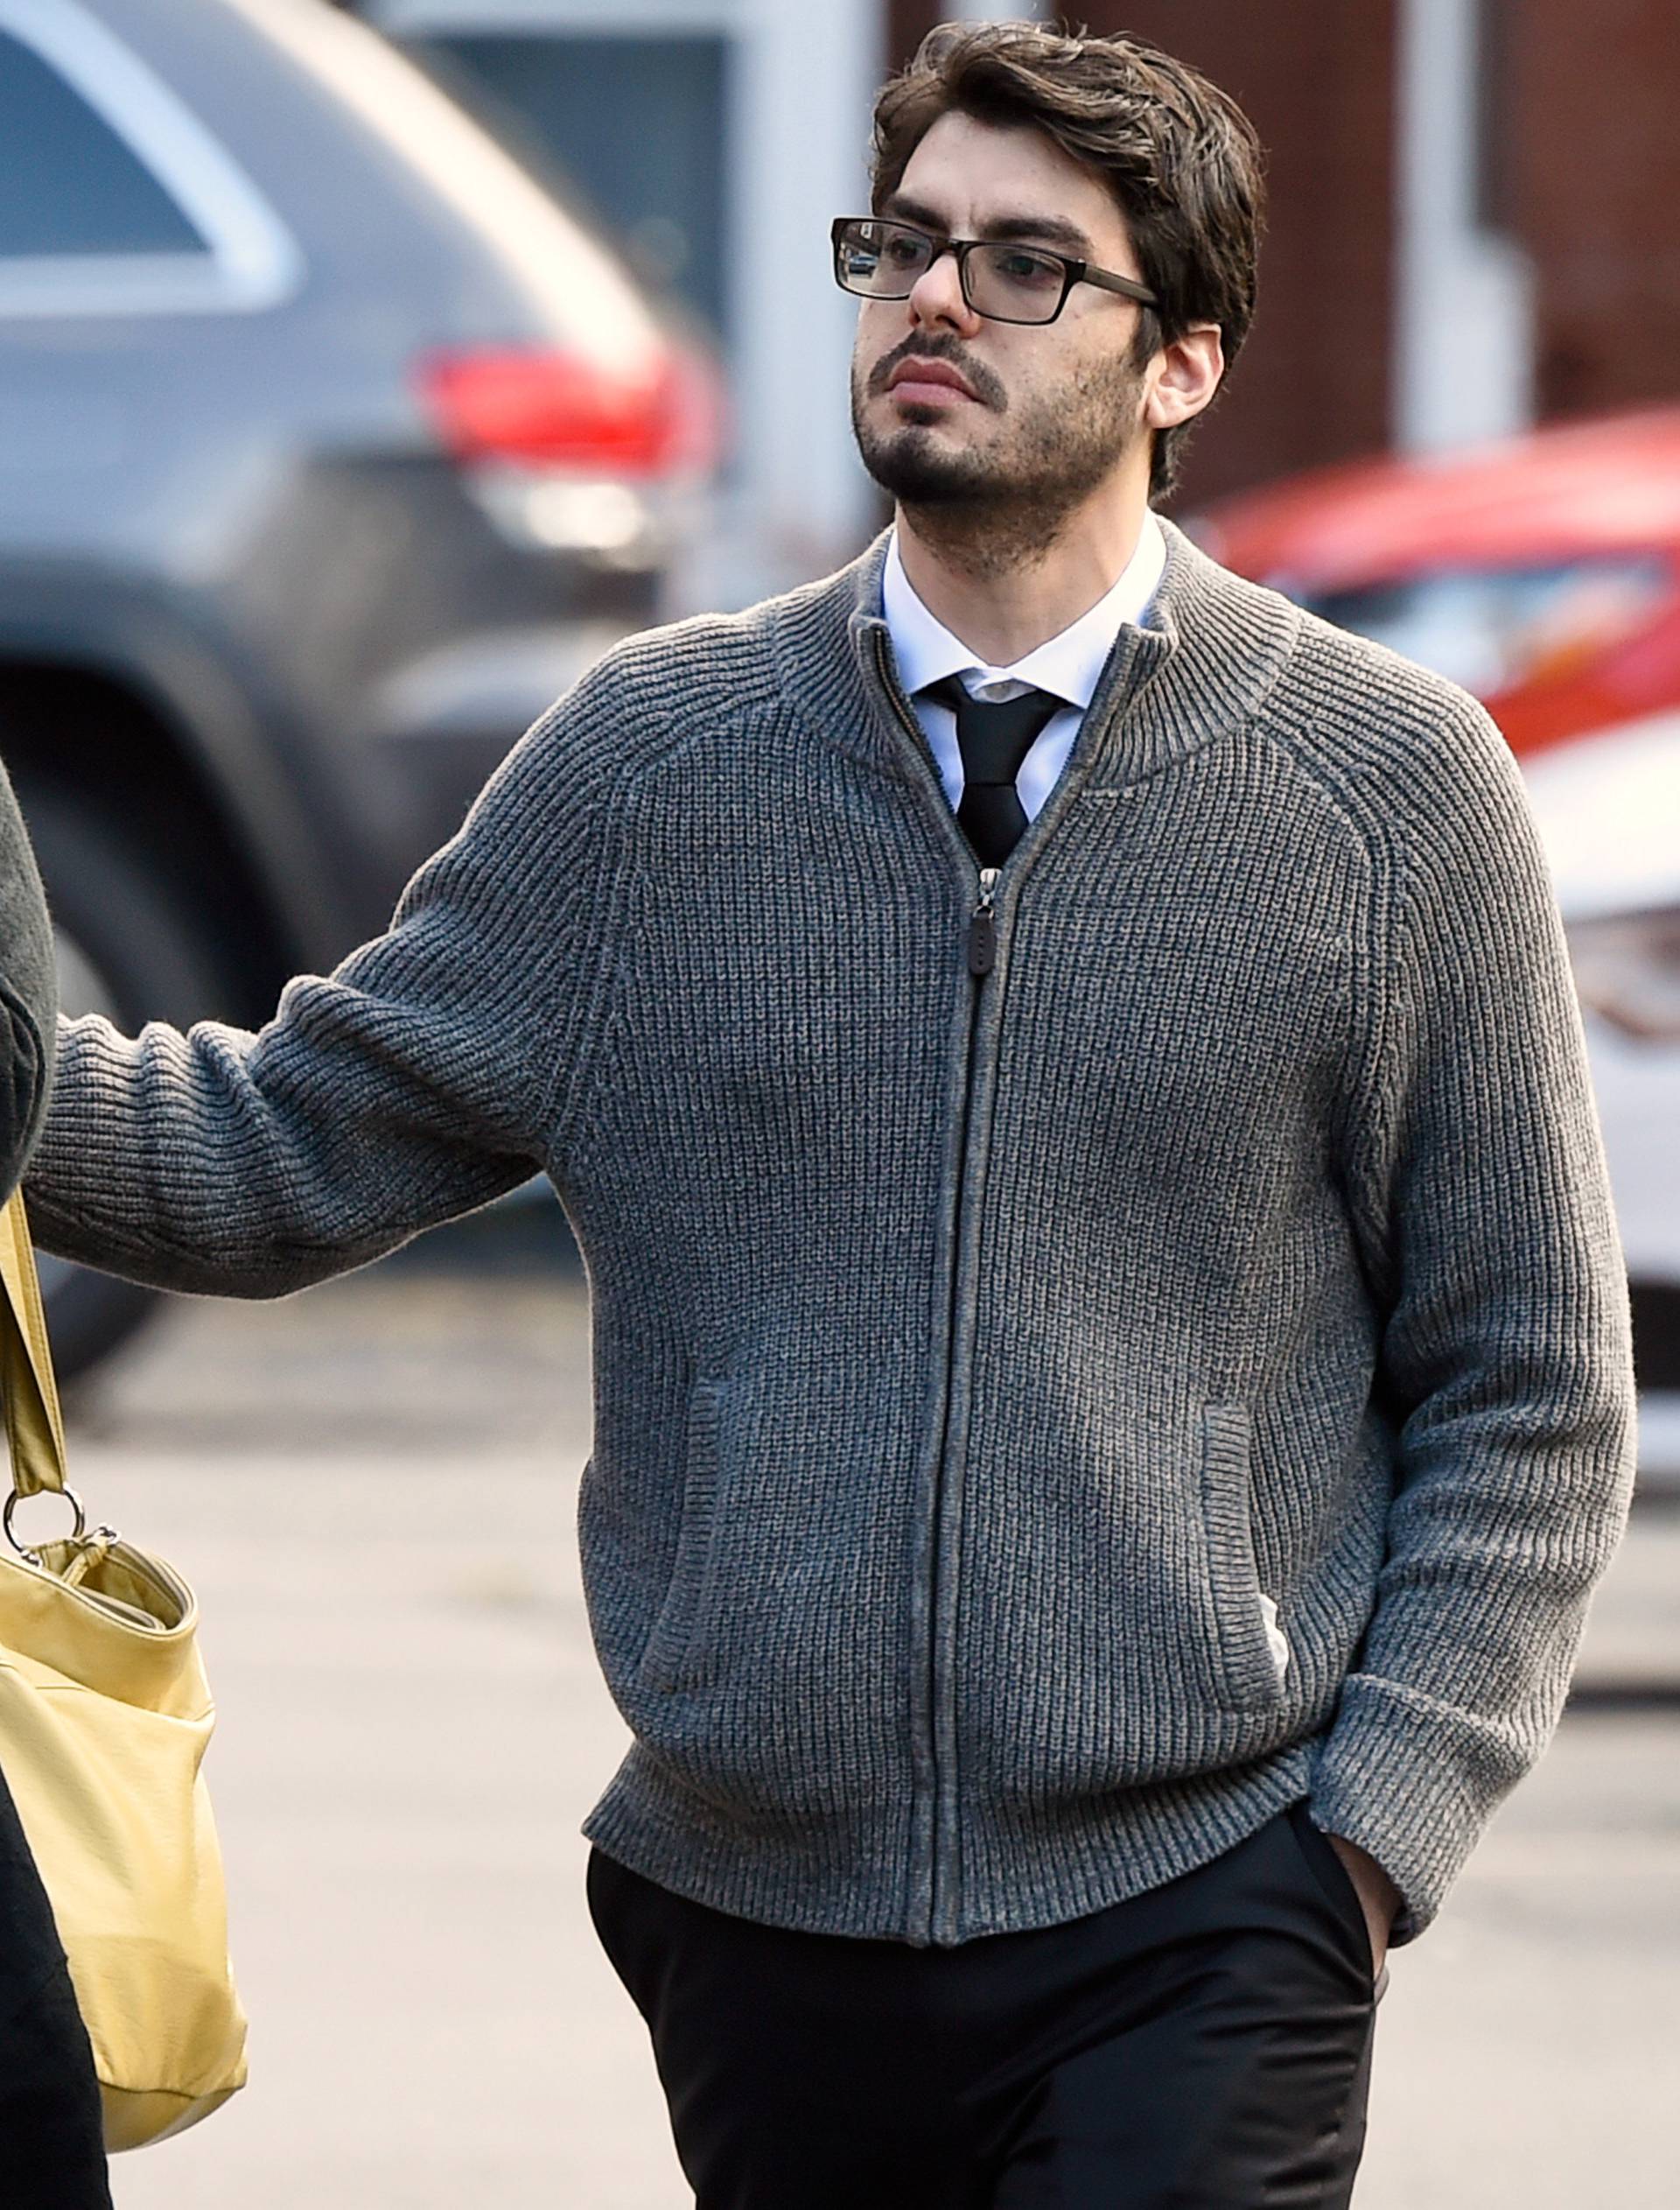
372 1487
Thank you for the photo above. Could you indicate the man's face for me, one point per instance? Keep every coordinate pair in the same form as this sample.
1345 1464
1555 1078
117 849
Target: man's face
1046 412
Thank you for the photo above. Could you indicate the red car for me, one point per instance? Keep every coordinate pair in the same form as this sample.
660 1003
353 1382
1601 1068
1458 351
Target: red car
1543 574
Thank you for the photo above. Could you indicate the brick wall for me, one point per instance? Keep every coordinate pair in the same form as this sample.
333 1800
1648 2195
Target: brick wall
1588 102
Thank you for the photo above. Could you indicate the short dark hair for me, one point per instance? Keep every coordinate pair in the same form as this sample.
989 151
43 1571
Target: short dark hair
1178 155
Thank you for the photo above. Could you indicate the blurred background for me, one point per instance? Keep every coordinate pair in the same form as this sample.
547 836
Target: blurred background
365 372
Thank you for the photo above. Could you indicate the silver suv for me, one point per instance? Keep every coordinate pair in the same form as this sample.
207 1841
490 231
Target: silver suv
332 448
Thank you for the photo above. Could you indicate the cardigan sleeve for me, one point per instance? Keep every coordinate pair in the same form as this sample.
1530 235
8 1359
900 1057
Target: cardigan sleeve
28 993
1506 1352
422 1079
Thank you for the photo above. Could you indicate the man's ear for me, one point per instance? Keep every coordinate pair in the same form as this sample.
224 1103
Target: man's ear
1184 376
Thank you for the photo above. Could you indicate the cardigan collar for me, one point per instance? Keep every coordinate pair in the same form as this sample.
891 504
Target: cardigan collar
1210 651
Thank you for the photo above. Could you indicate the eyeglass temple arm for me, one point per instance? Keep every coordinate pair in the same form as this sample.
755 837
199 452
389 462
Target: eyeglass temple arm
1128 287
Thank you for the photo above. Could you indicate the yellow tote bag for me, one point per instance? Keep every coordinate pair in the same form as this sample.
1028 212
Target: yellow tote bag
104 1717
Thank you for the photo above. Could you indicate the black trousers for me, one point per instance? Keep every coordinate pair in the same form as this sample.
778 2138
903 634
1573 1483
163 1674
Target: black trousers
1205 2046
52 2134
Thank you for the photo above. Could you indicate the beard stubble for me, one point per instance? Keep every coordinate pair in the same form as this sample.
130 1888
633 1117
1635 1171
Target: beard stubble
996 510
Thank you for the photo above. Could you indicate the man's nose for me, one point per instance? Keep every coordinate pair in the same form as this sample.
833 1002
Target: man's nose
937 295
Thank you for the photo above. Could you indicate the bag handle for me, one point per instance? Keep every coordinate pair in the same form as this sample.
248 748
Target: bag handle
33 1420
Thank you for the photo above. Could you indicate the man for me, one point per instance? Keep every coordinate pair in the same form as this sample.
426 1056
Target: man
1112 1369
52 2134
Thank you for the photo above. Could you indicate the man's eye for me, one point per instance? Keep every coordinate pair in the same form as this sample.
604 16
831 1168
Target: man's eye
1028 268
902 252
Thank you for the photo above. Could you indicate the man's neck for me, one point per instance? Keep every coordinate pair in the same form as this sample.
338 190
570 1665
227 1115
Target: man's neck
1004 614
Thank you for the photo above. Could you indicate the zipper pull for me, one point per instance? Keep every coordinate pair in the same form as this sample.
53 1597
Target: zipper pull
983 934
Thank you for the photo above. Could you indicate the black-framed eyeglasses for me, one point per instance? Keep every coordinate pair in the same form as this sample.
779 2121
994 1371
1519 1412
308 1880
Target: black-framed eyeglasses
1002 280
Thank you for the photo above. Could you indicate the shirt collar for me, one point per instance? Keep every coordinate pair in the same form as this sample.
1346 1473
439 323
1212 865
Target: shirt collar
1066 665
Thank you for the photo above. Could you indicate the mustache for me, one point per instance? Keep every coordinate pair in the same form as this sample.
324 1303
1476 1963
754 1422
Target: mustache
986 386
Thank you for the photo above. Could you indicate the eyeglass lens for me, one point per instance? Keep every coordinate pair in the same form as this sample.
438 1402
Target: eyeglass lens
883 260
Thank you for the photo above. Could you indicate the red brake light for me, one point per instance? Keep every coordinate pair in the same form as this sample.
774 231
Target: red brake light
562 410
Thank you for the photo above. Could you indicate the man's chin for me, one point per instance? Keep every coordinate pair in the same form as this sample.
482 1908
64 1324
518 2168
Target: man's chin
922 468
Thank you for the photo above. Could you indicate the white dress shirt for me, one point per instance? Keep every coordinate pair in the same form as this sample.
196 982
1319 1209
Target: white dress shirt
1068 665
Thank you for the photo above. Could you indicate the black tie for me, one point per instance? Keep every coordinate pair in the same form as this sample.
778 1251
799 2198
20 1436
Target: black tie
993 738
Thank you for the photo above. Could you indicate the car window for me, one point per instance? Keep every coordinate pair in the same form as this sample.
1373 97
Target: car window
638 122
69 183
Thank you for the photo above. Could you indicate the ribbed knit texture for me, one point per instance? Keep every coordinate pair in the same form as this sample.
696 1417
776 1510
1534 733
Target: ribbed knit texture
29 997
972 1353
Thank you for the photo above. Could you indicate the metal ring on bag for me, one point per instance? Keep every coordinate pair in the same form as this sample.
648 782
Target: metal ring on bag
15 1498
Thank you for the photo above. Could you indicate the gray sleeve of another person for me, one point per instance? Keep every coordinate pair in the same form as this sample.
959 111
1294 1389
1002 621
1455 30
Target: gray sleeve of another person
28 993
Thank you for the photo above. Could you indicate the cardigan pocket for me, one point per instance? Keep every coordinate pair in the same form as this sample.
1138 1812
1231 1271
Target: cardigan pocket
1253 1655
680 1645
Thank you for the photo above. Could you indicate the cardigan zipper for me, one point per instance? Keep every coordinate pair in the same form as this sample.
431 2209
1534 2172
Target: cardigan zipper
934 1744
933 1716
983 930
981 945
933 1897
943 1897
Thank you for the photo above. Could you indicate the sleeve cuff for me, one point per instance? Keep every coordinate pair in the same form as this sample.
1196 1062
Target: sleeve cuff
1413 1782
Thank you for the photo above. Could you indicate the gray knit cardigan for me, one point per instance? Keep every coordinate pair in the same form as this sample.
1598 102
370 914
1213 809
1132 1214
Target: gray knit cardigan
29 996
998 1287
